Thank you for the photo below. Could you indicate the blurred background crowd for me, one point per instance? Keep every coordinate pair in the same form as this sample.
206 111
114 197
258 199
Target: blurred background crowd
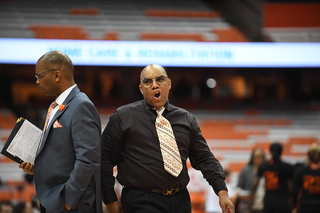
241 111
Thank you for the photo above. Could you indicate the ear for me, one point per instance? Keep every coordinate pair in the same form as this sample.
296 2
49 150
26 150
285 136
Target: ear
169 83
140 87
57 74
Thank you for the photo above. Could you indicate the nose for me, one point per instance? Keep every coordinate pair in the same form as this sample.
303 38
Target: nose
37 81
155 84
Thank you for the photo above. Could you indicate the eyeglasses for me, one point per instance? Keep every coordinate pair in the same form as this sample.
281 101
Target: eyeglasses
147 82
38 76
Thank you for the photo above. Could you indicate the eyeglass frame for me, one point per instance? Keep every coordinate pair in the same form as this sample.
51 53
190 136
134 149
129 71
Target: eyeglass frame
154 79
43 73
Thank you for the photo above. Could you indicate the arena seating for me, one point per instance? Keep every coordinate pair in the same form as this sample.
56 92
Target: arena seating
292 22
132 21
179 20
18 191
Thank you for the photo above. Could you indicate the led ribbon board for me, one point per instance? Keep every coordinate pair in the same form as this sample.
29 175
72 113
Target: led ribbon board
178 54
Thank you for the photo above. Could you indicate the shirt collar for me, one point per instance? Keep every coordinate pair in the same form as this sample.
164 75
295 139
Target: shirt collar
62 97
148 106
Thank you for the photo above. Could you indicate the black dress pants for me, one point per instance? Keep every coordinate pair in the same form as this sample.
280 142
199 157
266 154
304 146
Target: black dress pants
140 201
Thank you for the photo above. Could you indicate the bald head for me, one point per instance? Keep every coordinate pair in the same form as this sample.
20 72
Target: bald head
151 67
54 71
155 94
58 60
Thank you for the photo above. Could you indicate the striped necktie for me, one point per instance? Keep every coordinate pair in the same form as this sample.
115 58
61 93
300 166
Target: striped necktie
52 106
169 149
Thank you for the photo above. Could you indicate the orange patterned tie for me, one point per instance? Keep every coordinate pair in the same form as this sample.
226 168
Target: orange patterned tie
169 149
52 106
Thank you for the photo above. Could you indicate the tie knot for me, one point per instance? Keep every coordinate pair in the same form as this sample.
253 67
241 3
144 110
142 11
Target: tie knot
160 111
53 105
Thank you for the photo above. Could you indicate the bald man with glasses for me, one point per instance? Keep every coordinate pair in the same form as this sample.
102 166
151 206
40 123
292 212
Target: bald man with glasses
150 141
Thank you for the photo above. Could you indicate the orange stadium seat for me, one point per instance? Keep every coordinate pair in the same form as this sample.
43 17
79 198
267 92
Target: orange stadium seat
236 166
182 13
92 11
111 35
11 183
7 120
77 11
27 192
4 138
296 146
211 14
303 140
84 11
59 32
5 195
157 13
198 200
282 122
171 36
230 35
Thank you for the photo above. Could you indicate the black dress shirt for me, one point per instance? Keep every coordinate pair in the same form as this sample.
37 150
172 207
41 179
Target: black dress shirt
130 141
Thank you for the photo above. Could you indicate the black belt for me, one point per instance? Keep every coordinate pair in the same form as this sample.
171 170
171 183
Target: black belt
160 191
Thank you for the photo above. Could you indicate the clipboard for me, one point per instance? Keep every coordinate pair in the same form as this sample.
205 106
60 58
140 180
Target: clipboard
23 142
10 138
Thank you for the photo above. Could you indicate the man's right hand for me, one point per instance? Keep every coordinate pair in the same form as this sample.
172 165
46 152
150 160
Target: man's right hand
27 167
114 207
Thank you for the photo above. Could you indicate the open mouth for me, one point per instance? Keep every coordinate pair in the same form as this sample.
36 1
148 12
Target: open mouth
157 95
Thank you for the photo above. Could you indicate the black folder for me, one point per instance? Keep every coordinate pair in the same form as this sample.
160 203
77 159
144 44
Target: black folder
10 138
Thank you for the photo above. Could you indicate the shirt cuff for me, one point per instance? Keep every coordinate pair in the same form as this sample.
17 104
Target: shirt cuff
109 196
219 185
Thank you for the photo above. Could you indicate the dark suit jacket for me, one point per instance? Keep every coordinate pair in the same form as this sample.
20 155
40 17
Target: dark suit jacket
67 166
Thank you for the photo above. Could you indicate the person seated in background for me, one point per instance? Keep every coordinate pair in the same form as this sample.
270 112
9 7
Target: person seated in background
6 207
23 207
307 180
278 179
245 182
212 200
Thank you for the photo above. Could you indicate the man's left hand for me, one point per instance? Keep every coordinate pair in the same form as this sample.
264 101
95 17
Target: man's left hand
225 203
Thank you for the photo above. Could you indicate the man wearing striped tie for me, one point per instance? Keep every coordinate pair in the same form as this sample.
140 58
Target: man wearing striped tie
150 141
67 164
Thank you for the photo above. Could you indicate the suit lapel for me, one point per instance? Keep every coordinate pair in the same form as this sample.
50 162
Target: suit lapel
73 92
